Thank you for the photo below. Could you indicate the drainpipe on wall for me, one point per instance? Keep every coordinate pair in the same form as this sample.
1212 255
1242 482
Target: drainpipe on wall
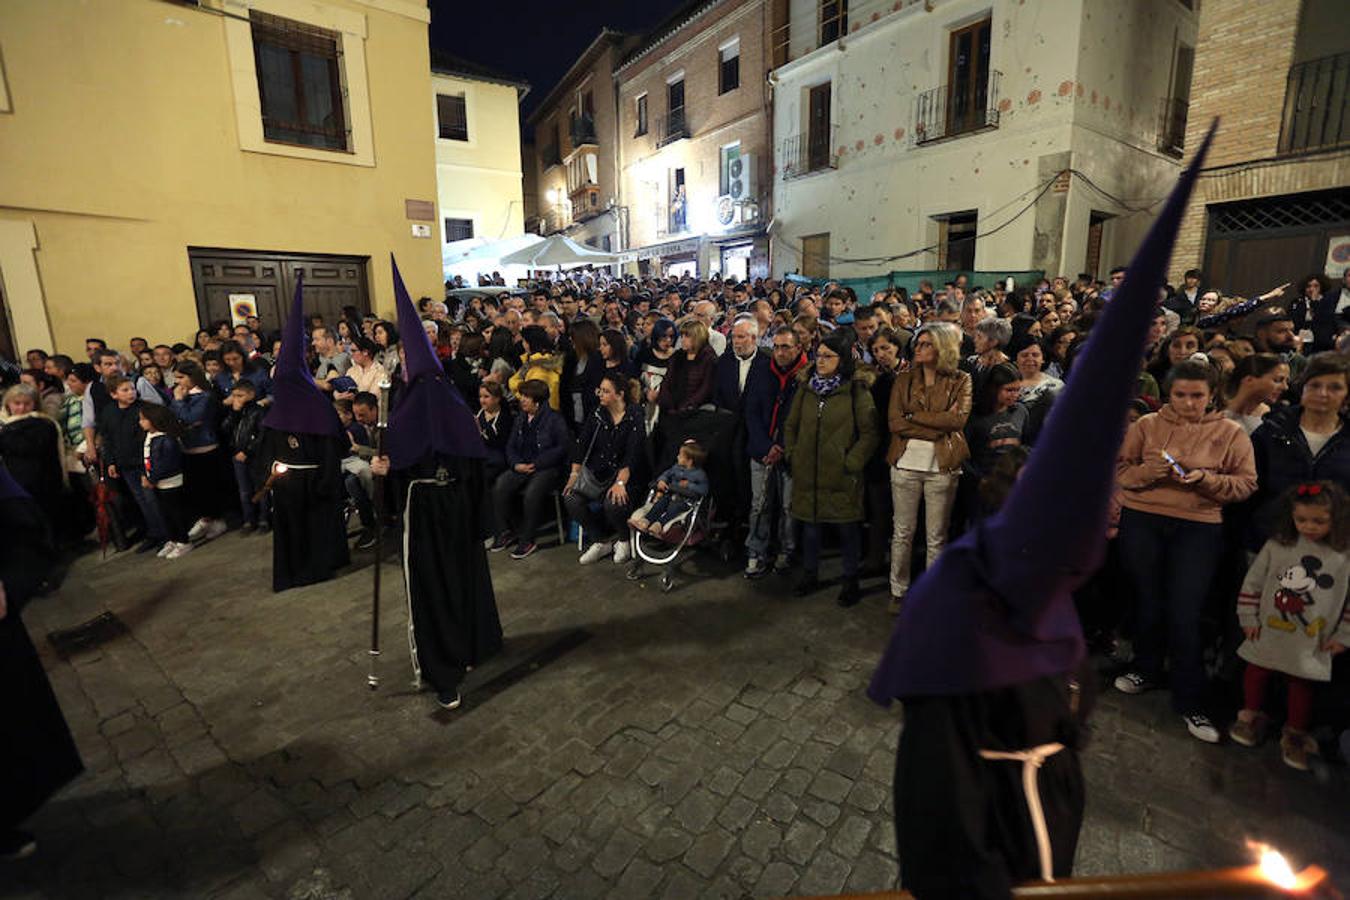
618 169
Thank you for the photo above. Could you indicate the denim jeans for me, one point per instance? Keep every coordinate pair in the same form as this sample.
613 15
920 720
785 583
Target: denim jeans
254 513
600 518
534 490
850 546
770 503
1170 563
148 505
937 489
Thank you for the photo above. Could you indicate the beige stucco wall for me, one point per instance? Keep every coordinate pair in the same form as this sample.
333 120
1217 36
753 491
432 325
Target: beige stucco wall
124 147
480 179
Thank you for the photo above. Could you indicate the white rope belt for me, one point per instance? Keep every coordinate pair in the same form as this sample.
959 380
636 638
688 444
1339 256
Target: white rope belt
1031 761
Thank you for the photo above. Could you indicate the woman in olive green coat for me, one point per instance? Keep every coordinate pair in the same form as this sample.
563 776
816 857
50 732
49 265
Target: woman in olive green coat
831 432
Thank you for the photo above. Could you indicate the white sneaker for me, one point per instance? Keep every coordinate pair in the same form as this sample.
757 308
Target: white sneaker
178 550
214 529
1201 728
197 530
596 552
622 552
164 551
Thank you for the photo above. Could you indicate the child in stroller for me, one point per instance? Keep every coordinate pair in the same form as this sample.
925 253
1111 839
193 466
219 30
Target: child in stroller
678 490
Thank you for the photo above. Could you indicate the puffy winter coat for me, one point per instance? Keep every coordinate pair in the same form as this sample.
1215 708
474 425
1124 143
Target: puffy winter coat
545 367
829 440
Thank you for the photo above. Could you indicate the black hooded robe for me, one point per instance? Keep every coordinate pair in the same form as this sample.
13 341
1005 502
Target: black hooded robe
963 824
452 610
37 755
309 542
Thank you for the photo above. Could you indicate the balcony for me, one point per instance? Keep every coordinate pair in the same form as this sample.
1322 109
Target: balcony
1172 126
671 128
1315 97
549 156
803 154
583 131
942 113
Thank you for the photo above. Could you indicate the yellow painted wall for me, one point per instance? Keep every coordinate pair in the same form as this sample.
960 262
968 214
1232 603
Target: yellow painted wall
480 178
123 149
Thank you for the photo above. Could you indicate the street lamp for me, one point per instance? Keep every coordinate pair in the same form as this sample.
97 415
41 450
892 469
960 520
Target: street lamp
552 195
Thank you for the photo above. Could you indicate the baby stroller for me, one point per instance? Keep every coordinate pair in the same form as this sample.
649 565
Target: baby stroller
687 531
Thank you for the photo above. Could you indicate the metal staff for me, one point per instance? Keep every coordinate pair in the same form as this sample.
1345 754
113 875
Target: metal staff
377 441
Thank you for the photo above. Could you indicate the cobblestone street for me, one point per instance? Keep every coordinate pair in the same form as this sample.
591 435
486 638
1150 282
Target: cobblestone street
712 742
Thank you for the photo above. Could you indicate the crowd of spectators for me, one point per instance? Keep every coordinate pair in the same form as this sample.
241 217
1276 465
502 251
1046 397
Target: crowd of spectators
881 425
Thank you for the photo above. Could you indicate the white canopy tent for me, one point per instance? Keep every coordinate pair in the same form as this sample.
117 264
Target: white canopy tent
469 258
561 251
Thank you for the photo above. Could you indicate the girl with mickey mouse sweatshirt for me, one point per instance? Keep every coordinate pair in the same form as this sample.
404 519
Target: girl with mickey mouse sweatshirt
1293 611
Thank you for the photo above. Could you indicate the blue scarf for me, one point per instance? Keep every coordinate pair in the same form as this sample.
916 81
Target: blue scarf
823 386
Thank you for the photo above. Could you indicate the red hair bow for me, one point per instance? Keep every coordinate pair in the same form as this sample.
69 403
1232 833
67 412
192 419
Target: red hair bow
1309 490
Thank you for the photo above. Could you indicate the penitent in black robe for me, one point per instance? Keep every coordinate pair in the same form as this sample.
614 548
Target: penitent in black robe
963 824
452 610
309 543
37 753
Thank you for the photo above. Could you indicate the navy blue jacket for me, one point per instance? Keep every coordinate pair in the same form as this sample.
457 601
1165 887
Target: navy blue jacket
166 459
495 437
727 392
199 412
255 375
543 441
1283 458
765 405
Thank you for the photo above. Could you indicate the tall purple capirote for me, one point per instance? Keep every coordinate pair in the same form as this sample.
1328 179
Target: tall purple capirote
431 415
298 406
996 609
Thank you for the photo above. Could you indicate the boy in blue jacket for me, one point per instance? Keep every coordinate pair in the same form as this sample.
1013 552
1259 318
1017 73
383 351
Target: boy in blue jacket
677 489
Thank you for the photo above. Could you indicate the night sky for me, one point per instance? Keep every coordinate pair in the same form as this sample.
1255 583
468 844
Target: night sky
537 40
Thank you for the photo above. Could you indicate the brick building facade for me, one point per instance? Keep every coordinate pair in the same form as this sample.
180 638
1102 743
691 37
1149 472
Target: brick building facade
694 141
575 151
1273 196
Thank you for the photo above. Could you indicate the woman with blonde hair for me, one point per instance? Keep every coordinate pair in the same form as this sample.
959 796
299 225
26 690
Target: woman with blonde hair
31 447
689 378
928 410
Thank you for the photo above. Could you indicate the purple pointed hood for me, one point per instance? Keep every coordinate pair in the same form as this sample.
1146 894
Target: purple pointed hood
996 609
432 416
298 406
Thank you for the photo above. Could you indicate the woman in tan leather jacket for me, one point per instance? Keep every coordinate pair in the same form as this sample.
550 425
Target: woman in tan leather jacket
929 406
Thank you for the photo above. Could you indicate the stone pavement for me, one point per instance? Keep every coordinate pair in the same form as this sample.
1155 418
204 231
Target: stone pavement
712 742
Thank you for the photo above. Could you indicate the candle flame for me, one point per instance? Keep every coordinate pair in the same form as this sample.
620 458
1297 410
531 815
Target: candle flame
1273 866
281 468
1276 869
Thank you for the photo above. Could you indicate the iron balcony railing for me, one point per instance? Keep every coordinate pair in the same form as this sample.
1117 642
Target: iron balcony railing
583 131
671 128
1315 99
1172 126
813 151
942 113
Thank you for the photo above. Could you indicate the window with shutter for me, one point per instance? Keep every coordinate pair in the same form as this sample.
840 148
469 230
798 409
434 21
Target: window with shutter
729 74
452 116
458 230
641 116
299 83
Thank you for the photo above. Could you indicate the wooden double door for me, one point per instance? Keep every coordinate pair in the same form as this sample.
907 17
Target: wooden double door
331 283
